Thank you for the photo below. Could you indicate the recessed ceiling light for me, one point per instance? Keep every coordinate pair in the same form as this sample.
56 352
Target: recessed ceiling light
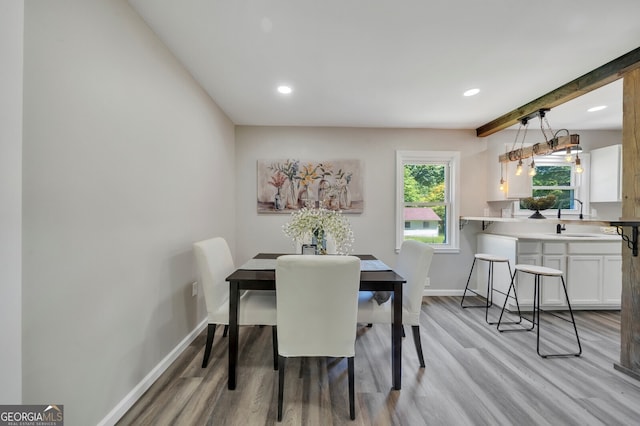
471 92
597 108
285 90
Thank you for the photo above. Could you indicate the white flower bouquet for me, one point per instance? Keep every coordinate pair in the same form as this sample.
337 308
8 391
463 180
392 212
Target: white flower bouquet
319 223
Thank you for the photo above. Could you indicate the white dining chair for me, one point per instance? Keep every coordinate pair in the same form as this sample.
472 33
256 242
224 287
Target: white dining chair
317 304
215 263
414 261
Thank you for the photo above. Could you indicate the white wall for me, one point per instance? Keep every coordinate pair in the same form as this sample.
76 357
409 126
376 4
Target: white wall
126 163
11 40
374 229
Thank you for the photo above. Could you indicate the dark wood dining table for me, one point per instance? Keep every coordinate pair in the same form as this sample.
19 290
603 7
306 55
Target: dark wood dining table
264 279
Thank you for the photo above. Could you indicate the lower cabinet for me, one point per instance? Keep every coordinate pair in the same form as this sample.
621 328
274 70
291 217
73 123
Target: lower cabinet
595 274
592 271
612 280
552 291
585 279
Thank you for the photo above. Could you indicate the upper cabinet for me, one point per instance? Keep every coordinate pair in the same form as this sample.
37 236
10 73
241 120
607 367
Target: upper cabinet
515 187
606 174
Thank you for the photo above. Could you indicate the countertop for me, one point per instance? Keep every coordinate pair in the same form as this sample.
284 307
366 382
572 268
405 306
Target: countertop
630 236
551 219
565 236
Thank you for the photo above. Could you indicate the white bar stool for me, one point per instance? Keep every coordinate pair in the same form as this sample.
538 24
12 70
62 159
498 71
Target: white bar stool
492 259
538 272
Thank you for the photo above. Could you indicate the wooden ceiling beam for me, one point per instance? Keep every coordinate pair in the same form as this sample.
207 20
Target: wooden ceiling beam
595 79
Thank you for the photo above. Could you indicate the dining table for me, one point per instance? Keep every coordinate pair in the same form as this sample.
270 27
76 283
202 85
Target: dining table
259 274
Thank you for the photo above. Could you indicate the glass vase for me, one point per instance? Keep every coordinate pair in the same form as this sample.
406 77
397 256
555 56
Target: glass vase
320 240
345 197
291 198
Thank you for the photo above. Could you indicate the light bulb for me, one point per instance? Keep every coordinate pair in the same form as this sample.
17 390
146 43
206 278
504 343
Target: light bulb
502 182
532 168
578 165
568 157
519 168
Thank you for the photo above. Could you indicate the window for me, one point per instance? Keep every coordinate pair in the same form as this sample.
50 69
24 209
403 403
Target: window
555 176
427 198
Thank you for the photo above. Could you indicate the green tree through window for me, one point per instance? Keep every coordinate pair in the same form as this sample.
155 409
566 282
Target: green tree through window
427 191
424 187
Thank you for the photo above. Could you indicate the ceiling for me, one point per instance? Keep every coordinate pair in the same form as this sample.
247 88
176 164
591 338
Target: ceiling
382 63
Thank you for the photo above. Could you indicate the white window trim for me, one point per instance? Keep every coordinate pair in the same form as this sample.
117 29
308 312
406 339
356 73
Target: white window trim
582 190
426 157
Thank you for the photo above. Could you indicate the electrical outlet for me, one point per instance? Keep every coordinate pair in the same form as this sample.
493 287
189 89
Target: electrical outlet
194 288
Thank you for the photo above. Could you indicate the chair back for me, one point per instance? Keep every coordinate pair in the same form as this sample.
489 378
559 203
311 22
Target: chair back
413 265
317 303
215 263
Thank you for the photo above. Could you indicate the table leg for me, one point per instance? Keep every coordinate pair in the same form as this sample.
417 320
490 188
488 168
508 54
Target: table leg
396 336
234 296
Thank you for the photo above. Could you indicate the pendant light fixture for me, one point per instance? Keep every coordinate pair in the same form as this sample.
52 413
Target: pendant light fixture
567 145
532 168
578 165
568 156
516 153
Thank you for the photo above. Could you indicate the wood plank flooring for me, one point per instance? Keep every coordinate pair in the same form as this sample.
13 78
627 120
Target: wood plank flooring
474 375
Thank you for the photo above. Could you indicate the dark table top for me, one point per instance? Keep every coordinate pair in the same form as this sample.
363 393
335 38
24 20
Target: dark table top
265 279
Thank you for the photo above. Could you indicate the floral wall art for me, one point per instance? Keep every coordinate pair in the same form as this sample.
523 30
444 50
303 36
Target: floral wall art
290 184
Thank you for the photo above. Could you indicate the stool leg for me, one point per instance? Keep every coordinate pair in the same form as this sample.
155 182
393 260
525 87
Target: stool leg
536 309
487 304
504 306
467 286
489 299
575 329
515 296
573 320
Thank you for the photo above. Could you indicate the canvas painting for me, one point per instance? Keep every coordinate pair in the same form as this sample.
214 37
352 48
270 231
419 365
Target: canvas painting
290 184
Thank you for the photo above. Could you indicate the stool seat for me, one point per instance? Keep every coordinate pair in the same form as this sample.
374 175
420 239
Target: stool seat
490 257
539 270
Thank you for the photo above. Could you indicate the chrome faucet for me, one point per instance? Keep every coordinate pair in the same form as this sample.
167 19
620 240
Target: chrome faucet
581 216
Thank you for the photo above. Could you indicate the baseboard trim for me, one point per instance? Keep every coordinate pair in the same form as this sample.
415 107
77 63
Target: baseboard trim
629 372
127 402
442 292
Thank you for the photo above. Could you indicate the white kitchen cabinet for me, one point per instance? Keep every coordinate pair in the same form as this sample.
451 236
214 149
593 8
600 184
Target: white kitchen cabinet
612 276
552 293
525 282
528 254
592 271
516 186
606 174
585 279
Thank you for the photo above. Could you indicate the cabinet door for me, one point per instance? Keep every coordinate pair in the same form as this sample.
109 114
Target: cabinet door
517 186
612 280
606 174
584 274
525 281
552 294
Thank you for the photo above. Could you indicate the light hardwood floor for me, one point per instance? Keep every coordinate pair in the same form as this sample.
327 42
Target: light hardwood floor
474 375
